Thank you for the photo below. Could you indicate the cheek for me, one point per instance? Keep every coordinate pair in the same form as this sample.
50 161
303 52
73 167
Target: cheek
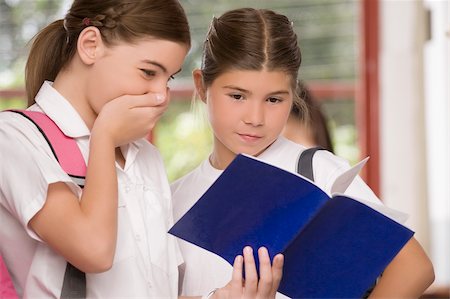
113 79
279 120
100 93
220 114
213 116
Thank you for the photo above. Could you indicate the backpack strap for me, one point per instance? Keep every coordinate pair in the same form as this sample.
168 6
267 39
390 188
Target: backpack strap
64 148
305 162
68 155
7 289
74 284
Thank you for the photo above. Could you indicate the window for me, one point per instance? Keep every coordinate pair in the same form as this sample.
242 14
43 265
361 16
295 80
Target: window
328 32
328 37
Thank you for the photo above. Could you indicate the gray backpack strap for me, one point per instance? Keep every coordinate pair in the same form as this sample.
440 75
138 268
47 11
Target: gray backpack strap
305 162
74 285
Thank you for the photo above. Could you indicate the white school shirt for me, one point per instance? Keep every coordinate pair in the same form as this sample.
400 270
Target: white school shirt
202 270
146 258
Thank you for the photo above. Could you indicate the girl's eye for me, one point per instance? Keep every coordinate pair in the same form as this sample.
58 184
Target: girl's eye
274 100
236 97
171 78
148 73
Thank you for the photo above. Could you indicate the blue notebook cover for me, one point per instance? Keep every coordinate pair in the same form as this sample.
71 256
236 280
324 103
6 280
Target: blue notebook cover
333 247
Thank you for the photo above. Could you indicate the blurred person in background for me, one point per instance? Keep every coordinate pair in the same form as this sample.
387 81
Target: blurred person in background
308 128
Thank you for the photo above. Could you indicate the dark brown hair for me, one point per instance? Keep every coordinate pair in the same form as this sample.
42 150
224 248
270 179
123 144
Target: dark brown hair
117 20
251 39
314 119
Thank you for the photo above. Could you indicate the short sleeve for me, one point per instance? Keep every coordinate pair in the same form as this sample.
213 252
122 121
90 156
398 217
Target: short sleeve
27 168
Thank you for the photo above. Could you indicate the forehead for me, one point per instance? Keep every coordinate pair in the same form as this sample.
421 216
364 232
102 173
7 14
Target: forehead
255 80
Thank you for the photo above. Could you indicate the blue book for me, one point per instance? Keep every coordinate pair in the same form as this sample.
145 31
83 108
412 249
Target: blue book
333 246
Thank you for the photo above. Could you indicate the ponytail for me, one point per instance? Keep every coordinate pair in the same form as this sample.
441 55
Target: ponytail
48 54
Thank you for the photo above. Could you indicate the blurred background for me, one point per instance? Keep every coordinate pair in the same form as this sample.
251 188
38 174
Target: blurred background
380 70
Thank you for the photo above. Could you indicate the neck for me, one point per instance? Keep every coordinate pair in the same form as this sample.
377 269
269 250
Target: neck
71 87
215 162
221 157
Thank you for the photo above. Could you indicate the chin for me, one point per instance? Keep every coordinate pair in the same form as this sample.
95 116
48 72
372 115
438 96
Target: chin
251 152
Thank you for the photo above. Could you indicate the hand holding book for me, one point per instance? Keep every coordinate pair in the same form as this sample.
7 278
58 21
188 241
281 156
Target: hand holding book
252 287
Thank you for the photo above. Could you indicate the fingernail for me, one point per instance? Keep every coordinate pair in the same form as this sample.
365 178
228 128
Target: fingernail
238 259
248 249
280 257
264 250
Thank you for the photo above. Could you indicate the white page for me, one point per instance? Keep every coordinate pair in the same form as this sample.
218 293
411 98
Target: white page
345 179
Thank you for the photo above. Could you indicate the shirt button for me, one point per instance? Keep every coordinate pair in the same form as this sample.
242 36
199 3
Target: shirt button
127 189
138 238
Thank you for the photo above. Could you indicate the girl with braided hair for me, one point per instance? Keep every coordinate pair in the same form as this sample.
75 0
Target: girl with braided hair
101 76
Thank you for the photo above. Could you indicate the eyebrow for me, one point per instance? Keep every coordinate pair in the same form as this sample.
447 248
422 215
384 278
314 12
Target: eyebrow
159 65
179 71
248 92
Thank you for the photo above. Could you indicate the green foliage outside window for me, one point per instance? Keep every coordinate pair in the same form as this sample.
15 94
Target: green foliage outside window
183 137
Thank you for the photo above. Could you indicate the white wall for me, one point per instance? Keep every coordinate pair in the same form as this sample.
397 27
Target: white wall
403 169
414 97
437 95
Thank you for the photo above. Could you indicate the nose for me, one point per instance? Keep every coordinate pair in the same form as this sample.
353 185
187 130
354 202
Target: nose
254 114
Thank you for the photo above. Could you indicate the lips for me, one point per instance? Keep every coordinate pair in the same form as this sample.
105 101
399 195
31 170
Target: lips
249 137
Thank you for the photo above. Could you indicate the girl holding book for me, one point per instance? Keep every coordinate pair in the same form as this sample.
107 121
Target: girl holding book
248 81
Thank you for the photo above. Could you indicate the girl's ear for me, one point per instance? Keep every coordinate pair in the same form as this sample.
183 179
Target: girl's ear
199 85
89 45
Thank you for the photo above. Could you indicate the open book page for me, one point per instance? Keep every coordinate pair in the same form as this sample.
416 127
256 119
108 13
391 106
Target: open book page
346 178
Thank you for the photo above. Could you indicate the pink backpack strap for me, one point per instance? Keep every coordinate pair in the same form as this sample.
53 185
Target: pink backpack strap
7 289
68 154
64 148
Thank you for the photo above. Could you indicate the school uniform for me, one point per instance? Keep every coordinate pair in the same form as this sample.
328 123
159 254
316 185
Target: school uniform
202 270
146 258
